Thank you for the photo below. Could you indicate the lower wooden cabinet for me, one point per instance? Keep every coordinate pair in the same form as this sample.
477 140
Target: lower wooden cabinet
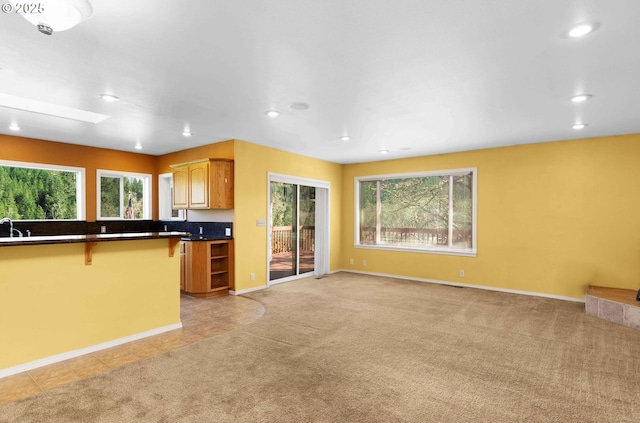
208 268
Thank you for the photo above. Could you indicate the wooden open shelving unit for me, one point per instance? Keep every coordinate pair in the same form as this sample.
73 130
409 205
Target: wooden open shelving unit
208 268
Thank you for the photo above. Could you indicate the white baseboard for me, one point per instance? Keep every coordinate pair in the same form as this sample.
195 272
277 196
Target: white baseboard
246 291
467 285
82 351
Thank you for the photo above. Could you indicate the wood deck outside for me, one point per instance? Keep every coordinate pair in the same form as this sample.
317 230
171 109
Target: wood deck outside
281 264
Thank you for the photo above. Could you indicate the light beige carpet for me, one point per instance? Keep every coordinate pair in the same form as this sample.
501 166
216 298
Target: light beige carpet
355 348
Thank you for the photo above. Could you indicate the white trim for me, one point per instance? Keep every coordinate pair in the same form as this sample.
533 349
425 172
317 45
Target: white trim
298 180
165 186
83 351
147 181
472 252
80 185
246 291
323 232
467 285
400 247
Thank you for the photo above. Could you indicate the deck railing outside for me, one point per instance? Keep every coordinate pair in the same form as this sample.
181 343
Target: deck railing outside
414 236
282 239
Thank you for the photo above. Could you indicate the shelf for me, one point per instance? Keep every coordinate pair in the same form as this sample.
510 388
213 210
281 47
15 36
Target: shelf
209 268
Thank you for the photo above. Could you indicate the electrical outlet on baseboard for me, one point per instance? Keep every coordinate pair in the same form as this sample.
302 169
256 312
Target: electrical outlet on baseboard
351 261
364 262
462 273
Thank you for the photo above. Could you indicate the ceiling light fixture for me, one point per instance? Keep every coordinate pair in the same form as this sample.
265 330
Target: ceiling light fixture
581 98
186 133
384 151
582 30
58 15
14 127
345 138
299 106
138 146
272 113
579 126
109 97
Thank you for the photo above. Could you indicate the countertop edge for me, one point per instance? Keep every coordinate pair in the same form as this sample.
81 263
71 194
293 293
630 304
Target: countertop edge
69 239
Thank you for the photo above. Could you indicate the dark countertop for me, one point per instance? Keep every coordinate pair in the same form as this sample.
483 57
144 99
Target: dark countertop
68 239
204 238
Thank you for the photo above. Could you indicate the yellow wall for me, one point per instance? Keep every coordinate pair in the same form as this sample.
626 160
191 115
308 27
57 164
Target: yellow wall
552 218
51 303
252 163
91 158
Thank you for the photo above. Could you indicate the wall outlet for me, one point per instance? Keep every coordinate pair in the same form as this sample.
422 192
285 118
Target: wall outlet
462 273
364 262
350 261
253 276
103 229
227 231
165 228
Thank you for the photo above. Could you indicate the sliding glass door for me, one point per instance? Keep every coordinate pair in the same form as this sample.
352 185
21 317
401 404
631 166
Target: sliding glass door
293 216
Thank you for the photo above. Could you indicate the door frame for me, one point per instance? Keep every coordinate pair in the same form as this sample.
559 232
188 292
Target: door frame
323 191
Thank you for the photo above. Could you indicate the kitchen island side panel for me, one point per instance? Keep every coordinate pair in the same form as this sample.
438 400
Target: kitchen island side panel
52 303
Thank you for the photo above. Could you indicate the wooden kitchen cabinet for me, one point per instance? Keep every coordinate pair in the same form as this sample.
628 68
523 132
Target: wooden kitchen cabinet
208 268
204 184
180 187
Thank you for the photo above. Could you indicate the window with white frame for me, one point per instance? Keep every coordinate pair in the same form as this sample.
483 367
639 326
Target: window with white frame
123 195
165 199
34 191
426 211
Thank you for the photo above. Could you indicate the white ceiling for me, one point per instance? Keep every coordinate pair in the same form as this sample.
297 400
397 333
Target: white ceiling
416 77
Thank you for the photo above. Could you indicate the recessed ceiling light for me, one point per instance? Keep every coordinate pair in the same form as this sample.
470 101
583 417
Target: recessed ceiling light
299 106
582 30
109 97
580 98
272 113
186 133
579 126
14 127
345 138
384 151
138 146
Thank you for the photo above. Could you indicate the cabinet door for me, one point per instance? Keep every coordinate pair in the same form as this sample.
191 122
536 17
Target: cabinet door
221 184
180 188
199 185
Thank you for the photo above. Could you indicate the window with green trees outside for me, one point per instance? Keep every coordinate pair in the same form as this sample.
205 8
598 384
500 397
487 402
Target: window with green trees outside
30 191
426 211
123 195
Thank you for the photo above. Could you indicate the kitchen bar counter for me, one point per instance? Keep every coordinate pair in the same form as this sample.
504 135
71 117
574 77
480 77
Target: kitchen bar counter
67 239
68 295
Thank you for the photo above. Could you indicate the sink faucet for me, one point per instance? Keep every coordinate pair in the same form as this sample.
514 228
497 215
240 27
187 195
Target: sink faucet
7 220
11 230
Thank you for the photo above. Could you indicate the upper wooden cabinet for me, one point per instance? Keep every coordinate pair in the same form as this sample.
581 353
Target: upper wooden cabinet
203 184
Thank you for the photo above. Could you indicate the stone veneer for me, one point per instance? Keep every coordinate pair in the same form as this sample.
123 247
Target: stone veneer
613 304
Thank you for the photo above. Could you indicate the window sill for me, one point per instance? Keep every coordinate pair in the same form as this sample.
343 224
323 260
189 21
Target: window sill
440 251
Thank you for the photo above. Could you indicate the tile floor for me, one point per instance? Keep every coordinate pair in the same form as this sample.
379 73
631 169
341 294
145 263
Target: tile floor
201 318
